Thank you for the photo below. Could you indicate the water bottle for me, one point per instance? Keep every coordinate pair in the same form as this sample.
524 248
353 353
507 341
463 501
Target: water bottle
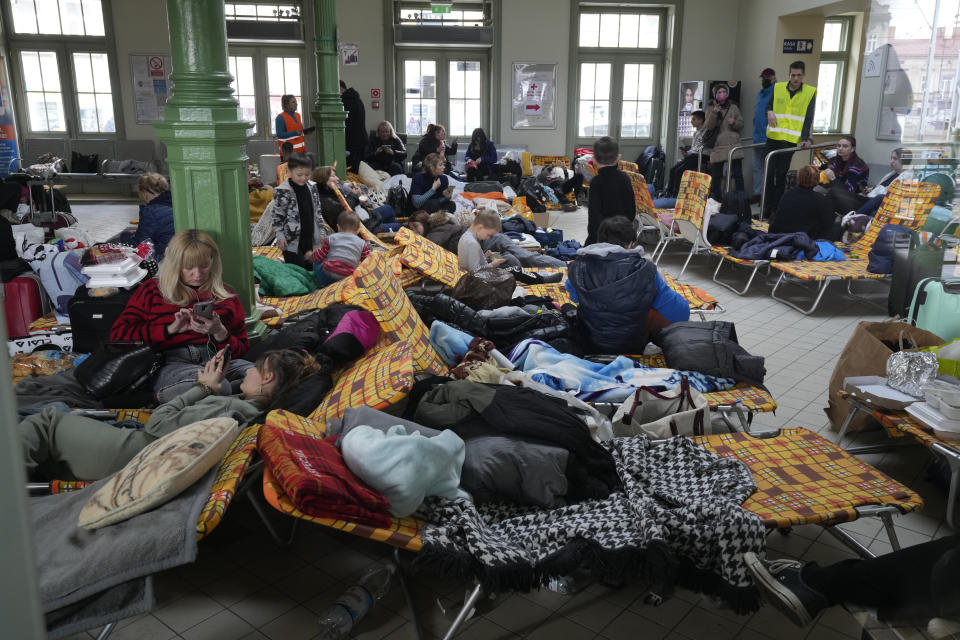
356 602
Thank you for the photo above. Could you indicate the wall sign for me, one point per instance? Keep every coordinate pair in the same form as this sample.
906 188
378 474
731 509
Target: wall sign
349 53
798 45
8 132
534 96
151 85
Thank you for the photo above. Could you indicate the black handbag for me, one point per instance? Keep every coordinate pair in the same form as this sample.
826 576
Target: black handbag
118 367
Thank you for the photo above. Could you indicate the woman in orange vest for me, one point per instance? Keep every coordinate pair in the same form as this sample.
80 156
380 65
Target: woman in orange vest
290 126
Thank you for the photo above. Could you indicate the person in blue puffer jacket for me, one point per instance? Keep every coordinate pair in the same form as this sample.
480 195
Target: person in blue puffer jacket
156 214
622 298
768 78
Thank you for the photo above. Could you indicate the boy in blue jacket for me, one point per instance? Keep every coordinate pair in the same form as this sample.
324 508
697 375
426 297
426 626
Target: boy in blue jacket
620 295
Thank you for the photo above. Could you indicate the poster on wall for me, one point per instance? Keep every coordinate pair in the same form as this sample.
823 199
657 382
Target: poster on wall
349 54
8 132
151 85
534 96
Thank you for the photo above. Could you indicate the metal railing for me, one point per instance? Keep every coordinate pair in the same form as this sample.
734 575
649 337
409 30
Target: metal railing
730 158
790 150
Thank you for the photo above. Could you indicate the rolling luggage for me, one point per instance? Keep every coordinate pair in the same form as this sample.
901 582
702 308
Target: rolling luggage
911 265
23 302
92 318
936 307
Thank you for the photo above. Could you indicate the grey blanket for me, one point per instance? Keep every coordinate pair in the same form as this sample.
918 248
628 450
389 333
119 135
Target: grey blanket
60 387
90 578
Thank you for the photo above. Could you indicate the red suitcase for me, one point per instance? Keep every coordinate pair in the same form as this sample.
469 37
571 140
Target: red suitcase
22 303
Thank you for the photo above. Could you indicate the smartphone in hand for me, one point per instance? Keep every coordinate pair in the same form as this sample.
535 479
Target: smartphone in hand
204 309
227 354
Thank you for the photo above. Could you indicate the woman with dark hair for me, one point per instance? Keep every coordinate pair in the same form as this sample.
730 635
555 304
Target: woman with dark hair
480 157
847 177
64 446
331 188
803 209
434 141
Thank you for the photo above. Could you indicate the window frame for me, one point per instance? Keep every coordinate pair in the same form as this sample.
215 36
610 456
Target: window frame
443 57
618 56
64 46
265 129
841 57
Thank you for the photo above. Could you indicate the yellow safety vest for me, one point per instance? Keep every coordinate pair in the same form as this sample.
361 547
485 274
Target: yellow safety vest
789 112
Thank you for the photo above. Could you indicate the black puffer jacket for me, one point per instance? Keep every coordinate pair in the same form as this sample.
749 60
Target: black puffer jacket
446 235
616 288
505 327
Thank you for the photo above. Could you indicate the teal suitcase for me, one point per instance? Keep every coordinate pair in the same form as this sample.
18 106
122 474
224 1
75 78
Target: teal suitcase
936 307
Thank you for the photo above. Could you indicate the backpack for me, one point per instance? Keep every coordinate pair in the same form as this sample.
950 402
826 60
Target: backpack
880 258
534 193
721 228
736 203
651 164
399 199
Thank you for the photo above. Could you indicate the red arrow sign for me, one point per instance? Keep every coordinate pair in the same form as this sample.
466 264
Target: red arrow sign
532 107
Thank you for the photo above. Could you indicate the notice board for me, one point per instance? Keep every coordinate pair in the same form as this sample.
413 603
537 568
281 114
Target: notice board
151 85
534 96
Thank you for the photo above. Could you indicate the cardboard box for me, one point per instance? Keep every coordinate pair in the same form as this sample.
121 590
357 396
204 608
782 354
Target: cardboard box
542 219
64 340
873 390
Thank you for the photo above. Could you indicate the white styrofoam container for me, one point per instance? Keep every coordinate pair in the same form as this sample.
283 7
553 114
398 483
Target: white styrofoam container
113 268
120 281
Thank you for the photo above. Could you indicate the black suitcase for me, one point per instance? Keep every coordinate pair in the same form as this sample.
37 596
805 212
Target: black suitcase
92 318
911 264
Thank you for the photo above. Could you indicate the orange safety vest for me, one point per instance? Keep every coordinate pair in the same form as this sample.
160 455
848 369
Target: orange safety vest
293 123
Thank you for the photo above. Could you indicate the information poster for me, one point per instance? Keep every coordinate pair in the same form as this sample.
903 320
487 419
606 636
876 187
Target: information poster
151 85
534 96
8 132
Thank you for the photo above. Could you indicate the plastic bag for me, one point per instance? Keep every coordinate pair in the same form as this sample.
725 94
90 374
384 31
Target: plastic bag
909 371
485 288
42 363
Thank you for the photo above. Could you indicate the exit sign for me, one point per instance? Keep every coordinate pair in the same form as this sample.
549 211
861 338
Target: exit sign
441 8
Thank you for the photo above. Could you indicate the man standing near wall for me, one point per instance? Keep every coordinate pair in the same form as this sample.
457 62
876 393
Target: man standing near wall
789 119
356 125
768 77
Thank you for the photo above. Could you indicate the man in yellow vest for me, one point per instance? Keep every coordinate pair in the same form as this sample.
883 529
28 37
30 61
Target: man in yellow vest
789 118
290 126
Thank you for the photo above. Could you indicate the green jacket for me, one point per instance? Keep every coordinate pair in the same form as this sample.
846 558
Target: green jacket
194 405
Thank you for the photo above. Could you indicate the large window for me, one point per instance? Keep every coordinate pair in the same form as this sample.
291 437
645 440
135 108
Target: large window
261 77
62 67
832 77
448 88
618 76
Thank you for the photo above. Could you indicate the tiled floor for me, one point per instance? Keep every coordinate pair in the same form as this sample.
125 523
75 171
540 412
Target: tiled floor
243 586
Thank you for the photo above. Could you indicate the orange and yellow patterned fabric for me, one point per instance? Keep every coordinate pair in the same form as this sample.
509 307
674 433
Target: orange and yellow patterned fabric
817 271
428 258
692 197
319 299
554 290
803 478
404 533
379 291
907 204
542 161
273 253
698 299
379 379
139 415
905 424
229 475
374 241
641 194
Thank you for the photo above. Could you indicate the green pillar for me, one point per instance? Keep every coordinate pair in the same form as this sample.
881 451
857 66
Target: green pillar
207 143
328 113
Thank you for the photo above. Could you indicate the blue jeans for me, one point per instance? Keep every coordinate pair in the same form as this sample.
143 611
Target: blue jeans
759 155
870 207
386 213
180 368
324 279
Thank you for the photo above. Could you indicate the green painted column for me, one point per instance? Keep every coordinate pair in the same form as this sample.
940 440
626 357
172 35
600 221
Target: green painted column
207 143
328 113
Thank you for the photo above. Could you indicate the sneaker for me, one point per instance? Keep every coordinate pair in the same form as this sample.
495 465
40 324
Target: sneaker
784 588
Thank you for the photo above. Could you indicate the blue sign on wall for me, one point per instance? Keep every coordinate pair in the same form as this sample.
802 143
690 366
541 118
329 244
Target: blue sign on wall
798 45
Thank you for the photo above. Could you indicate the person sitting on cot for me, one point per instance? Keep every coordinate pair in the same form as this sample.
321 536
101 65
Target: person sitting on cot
469 252
621 297
340 252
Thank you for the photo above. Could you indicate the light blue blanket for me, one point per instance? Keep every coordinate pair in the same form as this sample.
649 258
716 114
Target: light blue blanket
595 382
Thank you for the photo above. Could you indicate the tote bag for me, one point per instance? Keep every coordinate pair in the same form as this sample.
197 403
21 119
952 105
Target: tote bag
677 412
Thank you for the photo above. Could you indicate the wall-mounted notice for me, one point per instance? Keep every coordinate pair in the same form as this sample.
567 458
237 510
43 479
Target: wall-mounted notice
151 85
534 96
8 132
798 45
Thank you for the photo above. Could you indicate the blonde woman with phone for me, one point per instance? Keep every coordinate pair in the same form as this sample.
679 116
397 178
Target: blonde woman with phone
189 315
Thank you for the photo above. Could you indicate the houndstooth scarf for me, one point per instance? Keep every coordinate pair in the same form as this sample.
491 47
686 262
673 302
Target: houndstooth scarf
677 522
